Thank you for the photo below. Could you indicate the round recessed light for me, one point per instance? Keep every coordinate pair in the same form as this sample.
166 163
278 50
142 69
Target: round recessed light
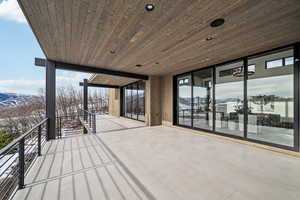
217 22
210 38
149 7
138 65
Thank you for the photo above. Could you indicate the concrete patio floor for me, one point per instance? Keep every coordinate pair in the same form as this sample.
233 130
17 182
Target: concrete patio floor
127 160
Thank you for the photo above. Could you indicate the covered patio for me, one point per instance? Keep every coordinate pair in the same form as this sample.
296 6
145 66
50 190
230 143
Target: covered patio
128 160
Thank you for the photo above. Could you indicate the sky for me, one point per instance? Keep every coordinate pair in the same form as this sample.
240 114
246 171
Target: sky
18 48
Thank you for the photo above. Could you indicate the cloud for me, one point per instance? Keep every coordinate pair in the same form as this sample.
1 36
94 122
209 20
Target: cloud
24 86
10 10
21 86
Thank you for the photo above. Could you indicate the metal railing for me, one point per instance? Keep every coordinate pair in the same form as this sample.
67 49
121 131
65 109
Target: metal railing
89 118
68 125
17 157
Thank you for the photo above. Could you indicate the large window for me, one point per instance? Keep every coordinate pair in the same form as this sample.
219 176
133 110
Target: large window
134 101
229 100
255 102
271 98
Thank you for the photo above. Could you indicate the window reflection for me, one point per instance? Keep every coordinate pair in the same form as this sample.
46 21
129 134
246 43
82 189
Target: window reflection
271 99
229 100
141 101
134 101
184 100
202 99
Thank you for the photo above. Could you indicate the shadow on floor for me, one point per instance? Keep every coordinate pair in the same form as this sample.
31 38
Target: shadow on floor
80 168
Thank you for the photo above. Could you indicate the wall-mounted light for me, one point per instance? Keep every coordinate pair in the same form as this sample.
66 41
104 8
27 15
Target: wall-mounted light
149 7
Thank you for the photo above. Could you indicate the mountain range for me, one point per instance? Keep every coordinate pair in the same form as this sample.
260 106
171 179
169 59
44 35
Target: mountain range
12 99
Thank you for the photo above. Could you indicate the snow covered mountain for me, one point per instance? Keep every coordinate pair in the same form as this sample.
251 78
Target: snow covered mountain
11 99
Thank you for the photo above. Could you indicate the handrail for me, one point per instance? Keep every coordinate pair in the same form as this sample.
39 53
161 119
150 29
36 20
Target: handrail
89 117
92 113
18 156
18 139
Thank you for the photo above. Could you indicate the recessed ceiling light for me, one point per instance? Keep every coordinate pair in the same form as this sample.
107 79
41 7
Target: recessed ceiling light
217 22
138 65
210 38
149 7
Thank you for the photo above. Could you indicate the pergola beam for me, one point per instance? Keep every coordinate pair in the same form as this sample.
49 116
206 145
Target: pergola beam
87 69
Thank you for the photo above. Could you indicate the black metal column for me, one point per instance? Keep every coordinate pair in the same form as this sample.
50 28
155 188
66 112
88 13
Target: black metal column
297 96
245 104
85 101
50 99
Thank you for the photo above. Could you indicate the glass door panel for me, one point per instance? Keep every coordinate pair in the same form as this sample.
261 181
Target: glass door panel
202 99
230 99
271 98
184 101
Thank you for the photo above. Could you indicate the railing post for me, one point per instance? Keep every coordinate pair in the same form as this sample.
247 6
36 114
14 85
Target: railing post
90 120
21 163
60 128
39 141
94 123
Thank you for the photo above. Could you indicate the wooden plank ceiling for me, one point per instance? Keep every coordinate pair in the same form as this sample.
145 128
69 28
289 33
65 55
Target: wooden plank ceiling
120 34
111 80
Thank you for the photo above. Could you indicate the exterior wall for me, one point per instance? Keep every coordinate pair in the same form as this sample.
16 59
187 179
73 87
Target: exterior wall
114 102
153 101
167 100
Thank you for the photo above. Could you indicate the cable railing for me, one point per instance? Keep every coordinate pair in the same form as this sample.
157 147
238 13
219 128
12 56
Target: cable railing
68 125
89 118
17 157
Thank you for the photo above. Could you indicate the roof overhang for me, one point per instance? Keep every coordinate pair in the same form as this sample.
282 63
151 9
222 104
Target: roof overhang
122 36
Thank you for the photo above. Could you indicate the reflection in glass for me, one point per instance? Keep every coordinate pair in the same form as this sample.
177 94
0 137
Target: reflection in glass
134 101
128 102
141 102
202 99
271 100
229 91
184 101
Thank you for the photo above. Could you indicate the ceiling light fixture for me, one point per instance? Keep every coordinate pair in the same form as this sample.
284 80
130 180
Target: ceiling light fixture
149 7
138 65
210 38
217 22
112 52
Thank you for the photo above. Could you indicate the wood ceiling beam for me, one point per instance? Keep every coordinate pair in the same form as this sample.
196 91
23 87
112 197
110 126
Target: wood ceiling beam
87 69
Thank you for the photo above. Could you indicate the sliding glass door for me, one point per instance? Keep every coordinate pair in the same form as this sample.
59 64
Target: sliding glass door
203 99
134 101
271 98
184 100
256 102
229 99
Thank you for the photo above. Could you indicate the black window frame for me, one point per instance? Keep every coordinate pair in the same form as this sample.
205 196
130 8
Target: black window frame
123 102
282 59
296 56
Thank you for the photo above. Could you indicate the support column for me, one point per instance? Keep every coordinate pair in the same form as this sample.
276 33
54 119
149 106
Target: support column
85 101
85 94
50 99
